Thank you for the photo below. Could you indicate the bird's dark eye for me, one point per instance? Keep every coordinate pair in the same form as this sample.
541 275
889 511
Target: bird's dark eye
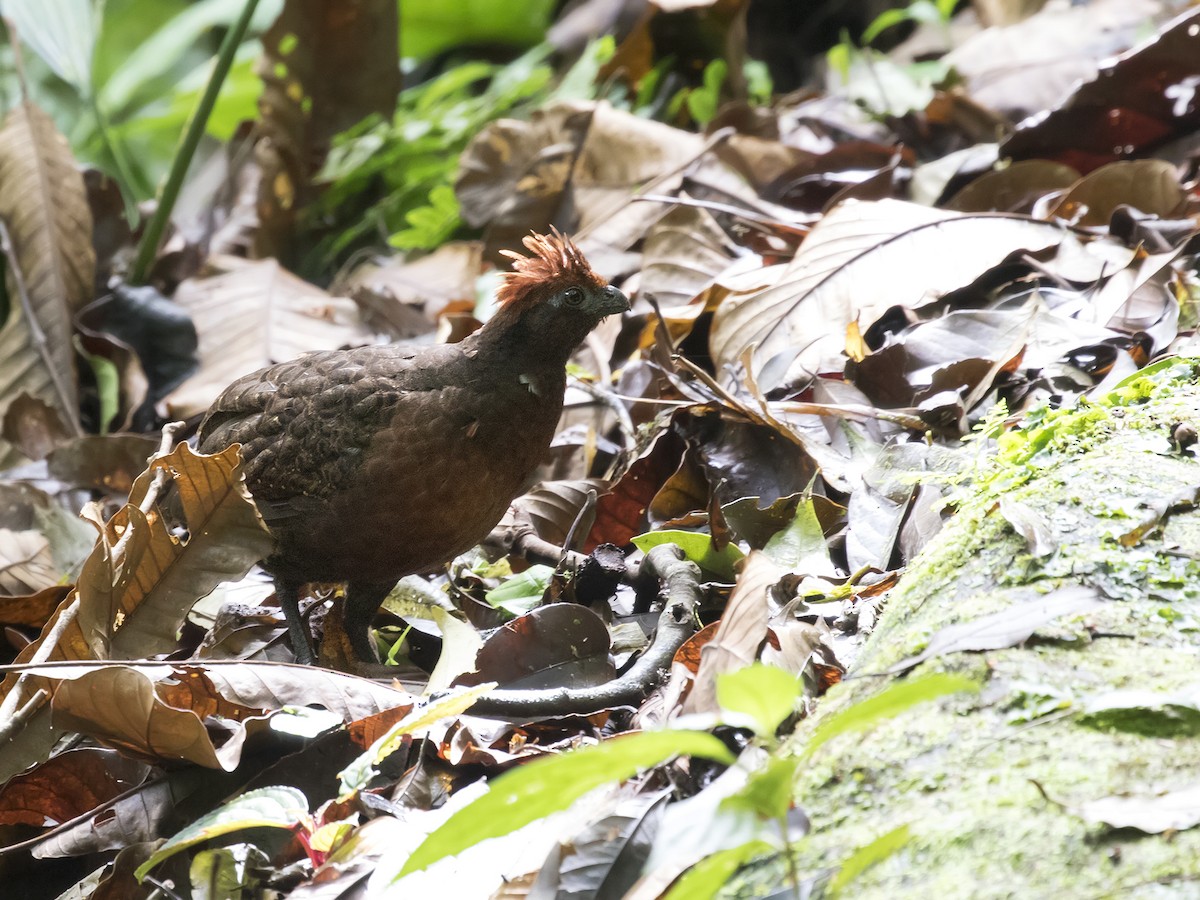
573 296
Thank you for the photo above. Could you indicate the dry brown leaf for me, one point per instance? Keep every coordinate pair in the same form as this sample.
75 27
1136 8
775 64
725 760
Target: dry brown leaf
67 786
860 260
122 707
253 314
1148 185
26 565
741 632
133 607
683 253
44 207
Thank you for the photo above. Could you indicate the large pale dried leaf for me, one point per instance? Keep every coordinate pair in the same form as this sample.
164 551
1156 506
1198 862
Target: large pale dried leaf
274 687
253 314
122 707
25 562
44 207
860 260
623 155
1030 65
1169 811
683 253
132 607
513 174
1008 627
1148 185
740 633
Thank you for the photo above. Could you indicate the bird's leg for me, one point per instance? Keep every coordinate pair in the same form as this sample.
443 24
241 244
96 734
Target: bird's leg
362 602
288 595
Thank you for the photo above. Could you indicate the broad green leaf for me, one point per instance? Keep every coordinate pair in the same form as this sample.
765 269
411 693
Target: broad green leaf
521 593
431 225
887 703
108 387
704 879
876 851
61 32
429 28
704 101
766 694
768 791
801 546
697 547
280 806
551 784
154 57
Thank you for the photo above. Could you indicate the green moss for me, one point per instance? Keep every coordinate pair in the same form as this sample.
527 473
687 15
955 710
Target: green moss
964 772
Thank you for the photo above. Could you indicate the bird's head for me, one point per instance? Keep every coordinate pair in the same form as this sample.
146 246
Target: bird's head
554 292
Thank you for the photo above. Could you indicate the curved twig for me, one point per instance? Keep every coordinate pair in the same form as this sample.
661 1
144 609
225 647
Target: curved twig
680 580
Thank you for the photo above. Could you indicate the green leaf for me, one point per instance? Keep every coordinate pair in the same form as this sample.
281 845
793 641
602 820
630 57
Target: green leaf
521 593
883 22
280 806
837 58
876 851
887 703
768 791
706 877
703 102
62 33
578 82
108 388
552 783
698 548
759 85
429 28
801 546
767 694
431 225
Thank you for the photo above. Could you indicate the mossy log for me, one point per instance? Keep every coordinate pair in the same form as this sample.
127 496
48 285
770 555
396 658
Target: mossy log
994 786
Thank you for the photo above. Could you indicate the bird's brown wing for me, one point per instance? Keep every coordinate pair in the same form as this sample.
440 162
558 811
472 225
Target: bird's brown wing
305 424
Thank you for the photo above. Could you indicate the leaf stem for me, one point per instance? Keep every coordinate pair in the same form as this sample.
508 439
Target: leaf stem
187 146
116 150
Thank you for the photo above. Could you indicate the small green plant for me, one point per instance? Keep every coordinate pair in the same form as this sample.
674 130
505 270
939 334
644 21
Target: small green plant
921 12
864 72
409 163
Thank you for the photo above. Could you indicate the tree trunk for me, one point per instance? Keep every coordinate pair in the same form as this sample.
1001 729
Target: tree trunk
995 786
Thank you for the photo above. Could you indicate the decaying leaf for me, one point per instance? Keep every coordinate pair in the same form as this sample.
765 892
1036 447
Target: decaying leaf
1150 813
43 206
1008 627
860 260
252 314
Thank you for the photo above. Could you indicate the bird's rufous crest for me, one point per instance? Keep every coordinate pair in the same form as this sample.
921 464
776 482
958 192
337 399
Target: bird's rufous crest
555 260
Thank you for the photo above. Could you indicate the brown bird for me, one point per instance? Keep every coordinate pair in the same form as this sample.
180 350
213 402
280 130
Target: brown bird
379 462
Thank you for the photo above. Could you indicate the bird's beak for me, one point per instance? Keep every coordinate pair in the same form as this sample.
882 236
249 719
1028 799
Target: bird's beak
614 301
